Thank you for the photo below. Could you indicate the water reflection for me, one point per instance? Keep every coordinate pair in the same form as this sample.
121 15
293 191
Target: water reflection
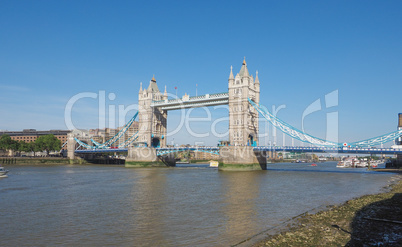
241 190
146 203
115 206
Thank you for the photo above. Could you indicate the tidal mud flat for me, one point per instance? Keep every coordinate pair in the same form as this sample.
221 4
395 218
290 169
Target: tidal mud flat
370 220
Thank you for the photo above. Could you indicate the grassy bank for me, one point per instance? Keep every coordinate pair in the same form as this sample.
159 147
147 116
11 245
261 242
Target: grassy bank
373 220
241 167
138 164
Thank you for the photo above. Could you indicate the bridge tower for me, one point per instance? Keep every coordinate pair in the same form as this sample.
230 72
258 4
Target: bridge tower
152 121
398 141
243 124
243 118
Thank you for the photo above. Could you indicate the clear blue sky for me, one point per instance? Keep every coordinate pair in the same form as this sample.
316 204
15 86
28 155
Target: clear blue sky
303 50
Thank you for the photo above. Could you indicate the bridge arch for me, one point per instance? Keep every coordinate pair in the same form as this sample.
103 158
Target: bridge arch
155 142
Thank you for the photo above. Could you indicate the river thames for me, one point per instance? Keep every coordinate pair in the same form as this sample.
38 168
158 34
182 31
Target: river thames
183 206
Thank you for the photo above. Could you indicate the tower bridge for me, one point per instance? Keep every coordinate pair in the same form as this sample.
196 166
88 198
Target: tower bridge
243 152
243 119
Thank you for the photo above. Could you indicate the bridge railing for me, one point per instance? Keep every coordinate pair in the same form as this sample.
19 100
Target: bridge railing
219 95
193 98
331 149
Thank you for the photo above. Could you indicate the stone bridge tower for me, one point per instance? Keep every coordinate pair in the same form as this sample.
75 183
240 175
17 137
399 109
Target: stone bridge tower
152 121
243 118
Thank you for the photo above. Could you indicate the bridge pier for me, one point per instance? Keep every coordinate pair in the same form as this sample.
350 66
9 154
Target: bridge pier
147 157
242 158
399 160
70 146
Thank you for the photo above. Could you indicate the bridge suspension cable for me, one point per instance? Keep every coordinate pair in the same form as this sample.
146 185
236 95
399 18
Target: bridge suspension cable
83 144
304 137
115 138
129 140
290 130
97 144
377 140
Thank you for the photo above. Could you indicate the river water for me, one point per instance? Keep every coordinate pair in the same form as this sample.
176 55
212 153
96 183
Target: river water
182 206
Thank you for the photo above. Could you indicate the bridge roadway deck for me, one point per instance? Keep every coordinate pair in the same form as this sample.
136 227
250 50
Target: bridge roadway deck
95 151
332 150
162 151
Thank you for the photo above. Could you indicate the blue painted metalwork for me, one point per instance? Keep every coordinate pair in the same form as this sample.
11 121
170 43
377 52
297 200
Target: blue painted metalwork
349 150
97 144
304 137
290 130
115 138
377 140
215 150
83 144
93 151
129 140
125 144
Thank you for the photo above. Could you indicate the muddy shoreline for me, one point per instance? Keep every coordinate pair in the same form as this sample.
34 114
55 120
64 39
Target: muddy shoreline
367 220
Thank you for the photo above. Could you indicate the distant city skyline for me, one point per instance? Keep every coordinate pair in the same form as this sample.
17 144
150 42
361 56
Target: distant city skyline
303 51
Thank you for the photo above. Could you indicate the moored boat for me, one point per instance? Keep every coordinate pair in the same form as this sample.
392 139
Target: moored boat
348 162
213 163
3 172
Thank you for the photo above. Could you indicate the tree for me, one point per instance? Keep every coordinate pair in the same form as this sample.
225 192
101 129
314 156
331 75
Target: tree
33 147
5 142
14 145
47 143
26 146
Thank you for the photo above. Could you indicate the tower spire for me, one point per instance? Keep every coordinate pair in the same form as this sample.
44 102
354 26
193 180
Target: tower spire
231 73
256 78
140 86
243 70
152 85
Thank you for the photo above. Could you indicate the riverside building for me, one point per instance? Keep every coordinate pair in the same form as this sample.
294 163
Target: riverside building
30 135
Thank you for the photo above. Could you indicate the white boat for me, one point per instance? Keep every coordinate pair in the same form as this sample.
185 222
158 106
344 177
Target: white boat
349 162
213 163
377 163
3 172
362 164
343 164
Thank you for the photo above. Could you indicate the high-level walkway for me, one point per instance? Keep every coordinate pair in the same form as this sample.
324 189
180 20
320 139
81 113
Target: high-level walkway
192 102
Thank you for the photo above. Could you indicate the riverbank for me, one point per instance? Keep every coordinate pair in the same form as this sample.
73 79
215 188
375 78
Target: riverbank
368 220
394 170
41 161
